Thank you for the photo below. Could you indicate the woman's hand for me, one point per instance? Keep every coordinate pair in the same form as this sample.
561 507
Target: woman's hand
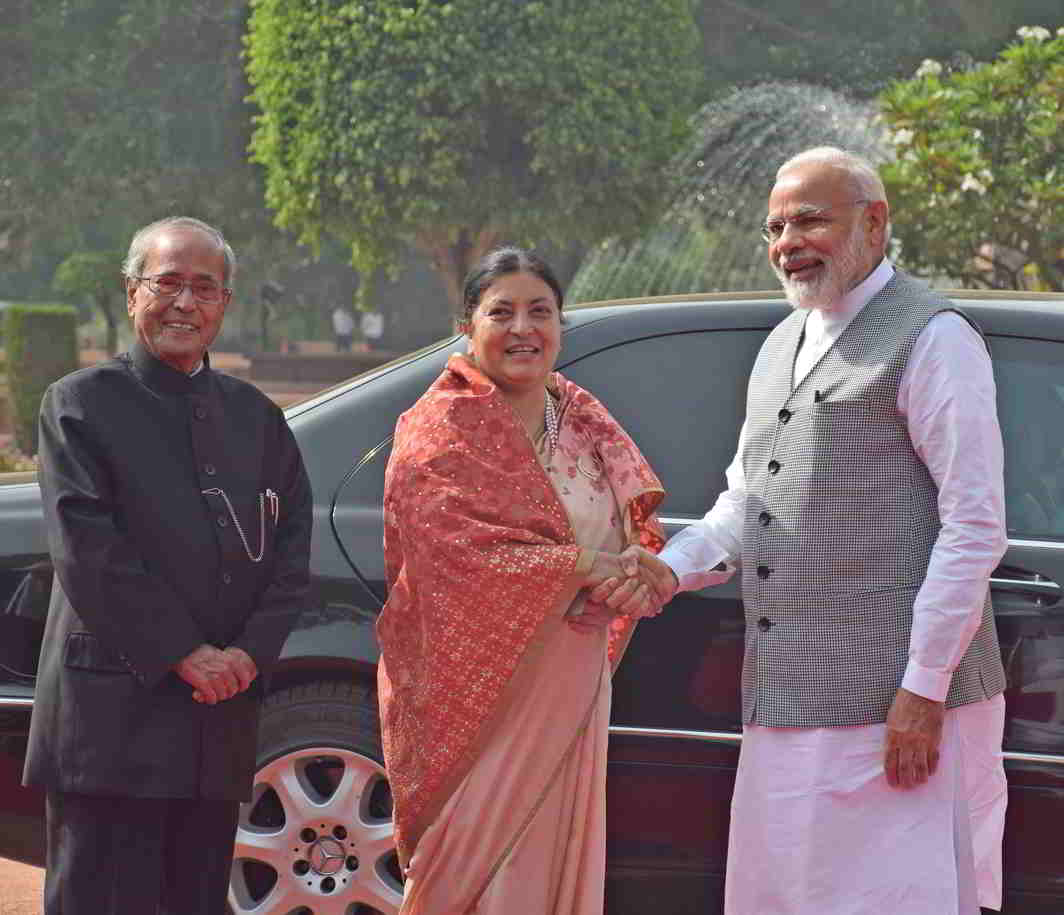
618 576
638 565
592 618
624 585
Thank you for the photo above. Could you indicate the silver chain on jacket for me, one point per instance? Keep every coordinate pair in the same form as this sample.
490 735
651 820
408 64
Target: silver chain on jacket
263 497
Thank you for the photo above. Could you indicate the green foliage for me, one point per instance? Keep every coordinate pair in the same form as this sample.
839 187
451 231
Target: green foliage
94 275
41 347
857 47
119 112
115 116
455 125
977 188
91 274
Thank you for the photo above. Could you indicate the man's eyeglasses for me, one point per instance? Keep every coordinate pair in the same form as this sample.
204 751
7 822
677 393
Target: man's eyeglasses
807 221
168 286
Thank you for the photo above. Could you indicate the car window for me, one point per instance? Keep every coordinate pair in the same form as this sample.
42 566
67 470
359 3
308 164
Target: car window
682 397
1030 396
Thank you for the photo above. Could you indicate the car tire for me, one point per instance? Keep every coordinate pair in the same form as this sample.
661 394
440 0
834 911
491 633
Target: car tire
317 835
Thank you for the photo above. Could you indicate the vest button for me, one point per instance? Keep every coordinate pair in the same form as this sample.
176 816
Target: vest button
227 579
223 521
764 624
785 416
209 469
765 518
200 412
773 467
763 571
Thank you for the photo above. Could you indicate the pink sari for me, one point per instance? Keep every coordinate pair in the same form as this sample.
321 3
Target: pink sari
487 770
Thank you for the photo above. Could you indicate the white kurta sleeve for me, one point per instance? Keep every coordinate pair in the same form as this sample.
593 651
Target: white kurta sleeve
947 397
716 538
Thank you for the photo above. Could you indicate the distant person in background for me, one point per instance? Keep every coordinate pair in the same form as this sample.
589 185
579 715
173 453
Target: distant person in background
372 328
509 490
343 328
178 516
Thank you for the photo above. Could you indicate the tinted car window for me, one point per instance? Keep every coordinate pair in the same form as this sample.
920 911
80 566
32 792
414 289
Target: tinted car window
1030 389
682 397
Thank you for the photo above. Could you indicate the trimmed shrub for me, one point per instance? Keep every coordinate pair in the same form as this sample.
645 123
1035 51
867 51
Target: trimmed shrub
41 347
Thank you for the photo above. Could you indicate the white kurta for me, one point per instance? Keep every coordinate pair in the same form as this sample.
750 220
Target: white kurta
823 789
817 830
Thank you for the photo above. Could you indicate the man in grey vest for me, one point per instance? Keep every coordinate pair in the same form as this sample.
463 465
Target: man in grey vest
866 503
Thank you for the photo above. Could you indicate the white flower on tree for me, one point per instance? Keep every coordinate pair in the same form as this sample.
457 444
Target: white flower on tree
1037 32
929 68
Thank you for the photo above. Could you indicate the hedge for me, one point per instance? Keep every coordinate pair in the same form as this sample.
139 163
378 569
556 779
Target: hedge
41 346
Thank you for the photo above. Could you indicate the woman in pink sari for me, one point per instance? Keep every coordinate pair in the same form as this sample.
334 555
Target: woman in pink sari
509 491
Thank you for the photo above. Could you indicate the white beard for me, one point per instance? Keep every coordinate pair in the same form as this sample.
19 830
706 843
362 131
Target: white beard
832 282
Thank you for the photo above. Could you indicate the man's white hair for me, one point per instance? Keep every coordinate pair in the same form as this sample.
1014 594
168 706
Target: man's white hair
864 175
133 265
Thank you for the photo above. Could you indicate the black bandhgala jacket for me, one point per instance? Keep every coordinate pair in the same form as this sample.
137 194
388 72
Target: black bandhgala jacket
137 463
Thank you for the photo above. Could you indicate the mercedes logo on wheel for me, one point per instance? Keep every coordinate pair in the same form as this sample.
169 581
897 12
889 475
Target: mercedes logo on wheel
326 857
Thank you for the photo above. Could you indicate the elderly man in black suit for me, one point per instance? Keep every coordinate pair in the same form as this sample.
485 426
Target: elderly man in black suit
179 516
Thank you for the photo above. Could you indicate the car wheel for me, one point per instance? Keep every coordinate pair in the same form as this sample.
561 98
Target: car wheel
317 836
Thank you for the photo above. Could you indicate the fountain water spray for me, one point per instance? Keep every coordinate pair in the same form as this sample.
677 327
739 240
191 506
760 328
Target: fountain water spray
708 238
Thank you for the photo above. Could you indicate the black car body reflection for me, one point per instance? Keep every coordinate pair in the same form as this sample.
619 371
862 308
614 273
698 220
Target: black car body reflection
673 371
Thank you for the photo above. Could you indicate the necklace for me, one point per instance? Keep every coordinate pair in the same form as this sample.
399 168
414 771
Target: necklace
550 420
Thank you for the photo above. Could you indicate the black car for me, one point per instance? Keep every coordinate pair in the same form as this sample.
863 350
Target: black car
673 371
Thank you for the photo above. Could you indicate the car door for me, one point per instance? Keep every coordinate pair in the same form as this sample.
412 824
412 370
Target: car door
25 585
676 707
1026 590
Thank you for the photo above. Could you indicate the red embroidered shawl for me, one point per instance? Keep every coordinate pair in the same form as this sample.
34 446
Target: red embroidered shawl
478 549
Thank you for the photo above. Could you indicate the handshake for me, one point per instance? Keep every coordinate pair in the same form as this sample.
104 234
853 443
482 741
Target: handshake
633 583
216 674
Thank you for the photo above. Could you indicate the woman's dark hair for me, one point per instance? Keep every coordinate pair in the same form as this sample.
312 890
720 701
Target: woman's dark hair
500 262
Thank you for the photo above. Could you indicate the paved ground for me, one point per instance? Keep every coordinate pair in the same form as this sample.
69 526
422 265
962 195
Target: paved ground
20 888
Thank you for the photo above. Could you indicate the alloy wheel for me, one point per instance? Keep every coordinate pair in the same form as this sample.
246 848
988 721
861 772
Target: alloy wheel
317 839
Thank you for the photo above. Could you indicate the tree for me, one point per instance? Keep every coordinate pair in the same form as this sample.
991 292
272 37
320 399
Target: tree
843 45
455 125
94 275
41 345
978 186
119 112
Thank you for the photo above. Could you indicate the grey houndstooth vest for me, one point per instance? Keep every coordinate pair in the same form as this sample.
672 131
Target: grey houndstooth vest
841 516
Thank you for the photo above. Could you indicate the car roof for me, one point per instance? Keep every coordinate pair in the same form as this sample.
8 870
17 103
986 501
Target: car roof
1002 312
1038 315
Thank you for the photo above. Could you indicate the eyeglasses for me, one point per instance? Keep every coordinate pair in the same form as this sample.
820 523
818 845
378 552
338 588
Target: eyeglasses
807 221
168 286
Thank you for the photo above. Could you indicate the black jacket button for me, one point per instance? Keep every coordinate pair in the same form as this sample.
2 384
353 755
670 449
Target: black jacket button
763 571
785 415
773 467
209 470
200 412
223 521
227 578
765 518
764 624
